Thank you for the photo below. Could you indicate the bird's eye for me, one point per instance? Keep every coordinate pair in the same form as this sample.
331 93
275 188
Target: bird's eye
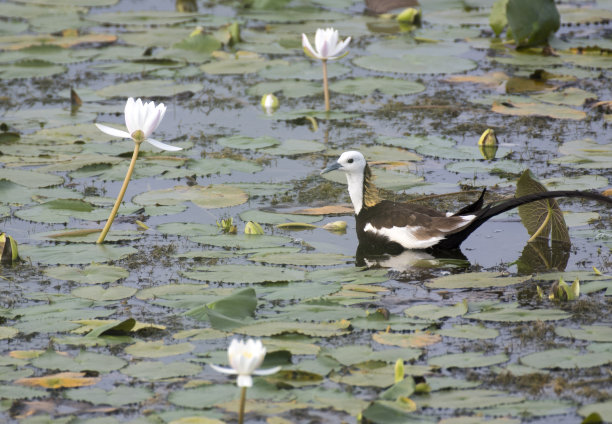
350 161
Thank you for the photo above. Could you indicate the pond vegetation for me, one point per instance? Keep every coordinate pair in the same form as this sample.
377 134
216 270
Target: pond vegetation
506 331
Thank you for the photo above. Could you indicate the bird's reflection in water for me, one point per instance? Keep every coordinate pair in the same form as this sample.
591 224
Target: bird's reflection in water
410 259
540 255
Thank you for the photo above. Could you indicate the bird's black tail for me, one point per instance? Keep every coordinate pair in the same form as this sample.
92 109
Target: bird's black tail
453 241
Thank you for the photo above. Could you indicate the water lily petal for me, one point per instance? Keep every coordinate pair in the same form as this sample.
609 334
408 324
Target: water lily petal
308 48
223 369
153 119
163 146
130 115
267 371
341 46
113 131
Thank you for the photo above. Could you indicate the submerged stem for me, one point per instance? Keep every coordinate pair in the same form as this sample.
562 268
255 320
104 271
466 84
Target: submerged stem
242 403
126 181
325 85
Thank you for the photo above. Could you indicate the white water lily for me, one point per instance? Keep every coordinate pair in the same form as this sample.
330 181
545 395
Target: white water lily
327 45
244 359
141 120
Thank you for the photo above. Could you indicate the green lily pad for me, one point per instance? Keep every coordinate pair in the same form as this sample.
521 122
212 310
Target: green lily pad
241 241
476 398
244 142
91 274
157 349
84 361
209 197
532 408
30 178
435 312
187 229
289 88
511 313
30 68
367 85
272 328
118 396
467 360
99 293
301 259
153 88
7 332
243 274
74 254
20 392
469 332
304 70
143 18
565 359
211 166
415 64
475 280
294 147
239 65
592 333
157 370
604 409
263 217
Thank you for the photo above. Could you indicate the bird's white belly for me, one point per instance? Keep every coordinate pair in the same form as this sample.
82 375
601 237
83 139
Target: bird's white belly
405 236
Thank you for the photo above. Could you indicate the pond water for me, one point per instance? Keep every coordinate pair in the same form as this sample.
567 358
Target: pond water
137 320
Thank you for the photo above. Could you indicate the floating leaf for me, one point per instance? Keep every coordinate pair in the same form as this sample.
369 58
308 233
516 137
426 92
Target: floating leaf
60 380
434 312
156 370
91 274
415 64
511 313
477 398
153 88
367 86
592 333
118 396
84 361
271 328
532 22
243 273
311 259
157 349
209 197
30 178
74 254
242 241
565 359
100 293
7 332
475 280
469 332
467 360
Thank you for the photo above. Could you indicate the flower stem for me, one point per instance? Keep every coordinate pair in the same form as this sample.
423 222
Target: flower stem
242 403
325 85
126 181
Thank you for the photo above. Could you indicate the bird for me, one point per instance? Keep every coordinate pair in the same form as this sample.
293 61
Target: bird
392 227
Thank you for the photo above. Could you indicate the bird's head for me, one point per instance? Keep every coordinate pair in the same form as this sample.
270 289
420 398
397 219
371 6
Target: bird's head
351 162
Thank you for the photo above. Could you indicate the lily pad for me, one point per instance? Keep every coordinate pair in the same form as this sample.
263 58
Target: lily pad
243 274
157 349
302 259
415 64
263 217
475 280
91 274
244 142
30 178
99 293
207 197
367 85
119 396
241 241
566 359
157 370
153 88
467 360
74 254
592 333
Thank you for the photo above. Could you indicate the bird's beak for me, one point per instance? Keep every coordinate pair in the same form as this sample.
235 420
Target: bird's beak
331 167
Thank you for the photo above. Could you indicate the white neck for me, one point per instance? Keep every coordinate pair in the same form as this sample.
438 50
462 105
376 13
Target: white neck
355 189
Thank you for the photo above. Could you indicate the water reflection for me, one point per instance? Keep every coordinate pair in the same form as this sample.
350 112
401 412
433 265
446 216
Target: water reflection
537 256
410 259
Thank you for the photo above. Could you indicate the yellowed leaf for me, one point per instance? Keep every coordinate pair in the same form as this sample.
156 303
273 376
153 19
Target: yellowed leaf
327 210
535 108
59 380
419 339
26 354
17 42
